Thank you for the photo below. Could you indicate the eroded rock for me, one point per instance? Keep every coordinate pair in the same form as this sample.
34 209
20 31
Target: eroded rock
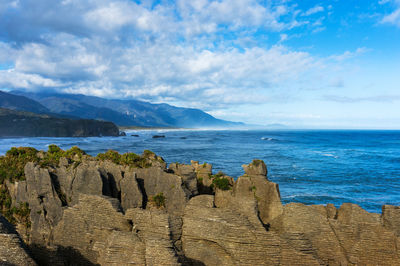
86 211
12 249
89 224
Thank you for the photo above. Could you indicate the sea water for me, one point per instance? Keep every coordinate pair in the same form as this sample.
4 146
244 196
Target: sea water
311 167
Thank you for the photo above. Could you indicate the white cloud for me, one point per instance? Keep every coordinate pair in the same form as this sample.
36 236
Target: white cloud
375 98
348 54
394 17
313 10
156 52
14 79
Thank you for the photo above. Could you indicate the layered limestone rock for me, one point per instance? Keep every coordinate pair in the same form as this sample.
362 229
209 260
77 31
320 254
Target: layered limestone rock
152 227
12 249
87 225
391 218
253 186
188 174
135 210
203 172
364 239
311 235
223 236
131 196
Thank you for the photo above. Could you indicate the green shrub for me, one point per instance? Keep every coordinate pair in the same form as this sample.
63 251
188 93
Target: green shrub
54 154
148 153
13 163
159 200
73 151
219 174
220 181
129 159
256 162
14 215
110 155
54 149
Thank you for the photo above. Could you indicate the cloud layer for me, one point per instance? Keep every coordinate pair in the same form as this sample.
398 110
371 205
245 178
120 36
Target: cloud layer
198 52
201 53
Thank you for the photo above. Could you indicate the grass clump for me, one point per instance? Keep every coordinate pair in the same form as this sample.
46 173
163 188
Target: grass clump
159 200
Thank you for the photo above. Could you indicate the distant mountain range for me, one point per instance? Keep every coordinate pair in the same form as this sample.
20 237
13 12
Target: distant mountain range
21 103
120 112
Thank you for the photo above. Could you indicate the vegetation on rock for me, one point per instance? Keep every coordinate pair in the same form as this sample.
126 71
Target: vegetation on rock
129 158
12 170
159 200
13 163
14 215
220 181
257 162
54 154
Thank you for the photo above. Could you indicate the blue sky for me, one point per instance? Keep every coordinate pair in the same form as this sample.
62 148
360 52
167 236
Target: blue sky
306 64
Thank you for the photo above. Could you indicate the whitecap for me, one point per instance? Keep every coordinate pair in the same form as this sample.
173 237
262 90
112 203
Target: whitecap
329 155
269 139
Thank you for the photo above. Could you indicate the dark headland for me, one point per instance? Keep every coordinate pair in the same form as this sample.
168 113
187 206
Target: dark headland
26 124
68 208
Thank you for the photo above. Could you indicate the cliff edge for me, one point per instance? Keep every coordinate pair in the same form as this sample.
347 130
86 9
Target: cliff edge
119 209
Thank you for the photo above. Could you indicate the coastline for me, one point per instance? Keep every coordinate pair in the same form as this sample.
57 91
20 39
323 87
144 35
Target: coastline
357 167
177 214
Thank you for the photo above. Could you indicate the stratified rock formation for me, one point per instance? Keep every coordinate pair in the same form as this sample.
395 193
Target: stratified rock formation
12 249
74 209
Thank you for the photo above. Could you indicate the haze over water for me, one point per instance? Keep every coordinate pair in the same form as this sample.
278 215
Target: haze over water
311 167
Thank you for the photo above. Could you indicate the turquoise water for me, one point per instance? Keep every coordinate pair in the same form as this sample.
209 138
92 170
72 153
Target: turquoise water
311 167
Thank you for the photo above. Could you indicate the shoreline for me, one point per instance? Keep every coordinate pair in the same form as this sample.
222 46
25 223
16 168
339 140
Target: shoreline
177 214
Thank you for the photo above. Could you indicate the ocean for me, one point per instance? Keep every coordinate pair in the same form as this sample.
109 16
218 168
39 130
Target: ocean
310 166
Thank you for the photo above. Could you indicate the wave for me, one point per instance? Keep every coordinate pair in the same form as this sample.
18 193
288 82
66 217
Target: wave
329 155
326 154
268 139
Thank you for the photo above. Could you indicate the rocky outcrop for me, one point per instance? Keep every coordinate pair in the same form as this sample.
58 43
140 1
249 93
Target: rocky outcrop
253 186
188 175
87 225
223 236
153 228
391 218
203 172
12 249
91 211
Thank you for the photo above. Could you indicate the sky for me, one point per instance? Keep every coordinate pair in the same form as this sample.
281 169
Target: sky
304 64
